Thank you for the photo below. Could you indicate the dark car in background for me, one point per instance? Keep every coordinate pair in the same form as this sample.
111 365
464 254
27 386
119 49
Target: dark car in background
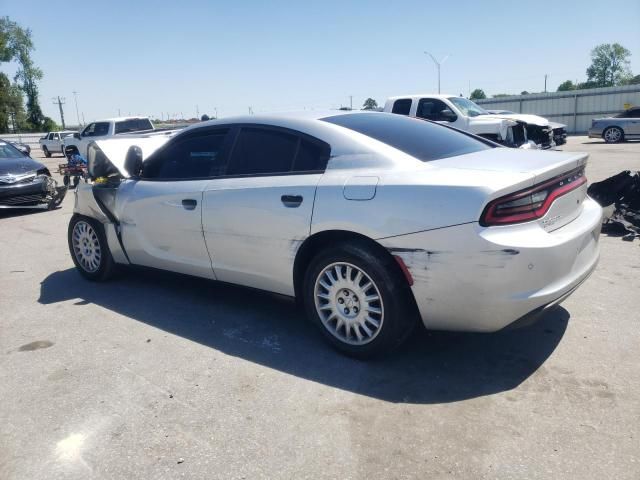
25 183
23 147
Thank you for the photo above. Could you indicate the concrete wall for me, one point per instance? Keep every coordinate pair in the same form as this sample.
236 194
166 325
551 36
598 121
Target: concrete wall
576 108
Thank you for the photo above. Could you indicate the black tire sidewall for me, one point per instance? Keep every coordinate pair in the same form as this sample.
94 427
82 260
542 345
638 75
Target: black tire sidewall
107 264
399 316
46 151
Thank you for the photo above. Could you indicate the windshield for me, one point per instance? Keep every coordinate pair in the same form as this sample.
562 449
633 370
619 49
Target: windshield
9 151
133 125
467 107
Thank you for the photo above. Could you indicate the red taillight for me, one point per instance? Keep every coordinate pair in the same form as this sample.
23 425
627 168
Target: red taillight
532 203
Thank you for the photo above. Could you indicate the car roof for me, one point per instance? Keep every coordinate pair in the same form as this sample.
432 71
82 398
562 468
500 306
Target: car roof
120 119
422 95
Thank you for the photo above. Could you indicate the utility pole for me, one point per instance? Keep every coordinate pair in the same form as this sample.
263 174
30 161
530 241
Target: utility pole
350 102
215 109
75 97
118 112
250 111
60 102
438 64
545 83
197 113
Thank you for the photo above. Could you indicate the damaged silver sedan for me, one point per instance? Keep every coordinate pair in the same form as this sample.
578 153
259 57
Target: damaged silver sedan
373 221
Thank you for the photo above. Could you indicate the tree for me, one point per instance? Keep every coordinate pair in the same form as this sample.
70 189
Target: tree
369 104
500 95
633 80
524 92
16 44
609 65
49 125
566 86
204 117
478 94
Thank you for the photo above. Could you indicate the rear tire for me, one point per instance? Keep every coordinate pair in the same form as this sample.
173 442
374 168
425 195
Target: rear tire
613 135
89 249
76 181
360 302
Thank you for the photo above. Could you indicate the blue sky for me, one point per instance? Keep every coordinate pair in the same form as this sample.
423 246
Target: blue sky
144 57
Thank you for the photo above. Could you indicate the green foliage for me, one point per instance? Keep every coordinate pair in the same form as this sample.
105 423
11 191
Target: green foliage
524 92
49 125
566 86
16 45
204 118
633 80
609 65
501 95
477 94
369 104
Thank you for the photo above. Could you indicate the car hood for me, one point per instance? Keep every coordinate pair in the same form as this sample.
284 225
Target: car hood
19 165
530 119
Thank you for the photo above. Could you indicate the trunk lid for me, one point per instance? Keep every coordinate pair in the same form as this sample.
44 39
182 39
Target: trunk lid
541 166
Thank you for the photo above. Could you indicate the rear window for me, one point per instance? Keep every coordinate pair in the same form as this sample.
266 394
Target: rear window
133 125
423 140
402 106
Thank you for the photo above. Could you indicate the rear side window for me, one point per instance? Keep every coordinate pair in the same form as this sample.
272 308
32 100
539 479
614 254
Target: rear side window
133 125
260 151
193 157
423 140
402 106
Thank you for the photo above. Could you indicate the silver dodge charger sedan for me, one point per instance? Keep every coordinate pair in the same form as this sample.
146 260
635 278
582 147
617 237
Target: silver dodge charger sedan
371 220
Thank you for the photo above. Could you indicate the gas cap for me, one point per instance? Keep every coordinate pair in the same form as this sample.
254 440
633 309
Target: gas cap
360 188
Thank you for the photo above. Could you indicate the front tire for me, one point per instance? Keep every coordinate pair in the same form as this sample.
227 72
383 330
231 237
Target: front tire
89 249
613 135
46 151
360 302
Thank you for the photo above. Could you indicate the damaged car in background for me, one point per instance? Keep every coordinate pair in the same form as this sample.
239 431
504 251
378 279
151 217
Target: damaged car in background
514 130
375 222
25 183
559 129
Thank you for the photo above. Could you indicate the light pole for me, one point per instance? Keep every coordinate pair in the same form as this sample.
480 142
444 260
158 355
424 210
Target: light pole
438 63
75 97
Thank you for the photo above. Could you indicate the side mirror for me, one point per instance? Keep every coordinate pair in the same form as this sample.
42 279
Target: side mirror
133 161
76 135
448 116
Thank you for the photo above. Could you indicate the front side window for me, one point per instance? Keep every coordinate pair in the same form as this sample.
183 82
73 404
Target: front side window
422 140
261 151
97 129
434 110
197 156
467 107
402 106
51 136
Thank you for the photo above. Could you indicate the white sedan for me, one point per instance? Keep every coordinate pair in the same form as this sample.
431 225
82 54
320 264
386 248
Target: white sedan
372 220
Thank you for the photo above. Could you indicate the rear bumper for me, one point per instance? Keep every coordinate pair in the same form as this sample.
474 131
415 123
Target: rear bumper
470 278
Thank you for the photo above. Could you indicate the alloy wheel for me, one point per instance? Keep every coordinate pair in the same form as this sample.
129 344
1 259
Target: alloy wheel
612 135
86 246
349 303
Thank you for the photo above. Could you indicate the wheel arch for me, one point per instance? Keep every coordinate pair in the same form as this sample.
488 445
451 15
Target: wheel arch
314 243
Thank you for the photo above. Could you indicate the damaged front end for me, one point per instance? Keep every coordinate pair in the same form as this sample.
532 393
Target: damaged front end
31 190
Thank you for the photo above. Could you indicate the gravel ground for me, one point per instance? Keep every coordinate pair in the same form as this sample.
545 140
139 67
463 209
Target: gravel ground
158 376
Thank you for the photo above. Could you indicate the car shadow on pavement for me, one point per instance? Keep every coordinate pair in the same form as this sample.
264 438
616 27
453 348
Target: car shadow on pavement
432 367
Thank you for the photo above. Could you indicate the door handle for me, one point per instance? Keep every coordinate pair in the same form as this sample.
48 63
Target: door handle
291 201
189 204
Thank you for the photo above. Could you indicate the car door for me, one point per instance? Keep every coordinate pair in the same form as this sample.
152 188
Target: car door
257 215
436 110
162 217
632 122
93 131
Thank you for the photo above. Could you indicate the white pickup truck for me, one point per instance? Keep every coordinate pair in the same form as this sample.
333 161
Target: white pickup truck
103 129
52 142
516 130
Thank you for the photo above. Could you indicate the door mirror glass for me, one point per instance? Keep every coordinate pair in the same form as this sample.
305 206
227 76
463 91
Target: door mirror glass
133 161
